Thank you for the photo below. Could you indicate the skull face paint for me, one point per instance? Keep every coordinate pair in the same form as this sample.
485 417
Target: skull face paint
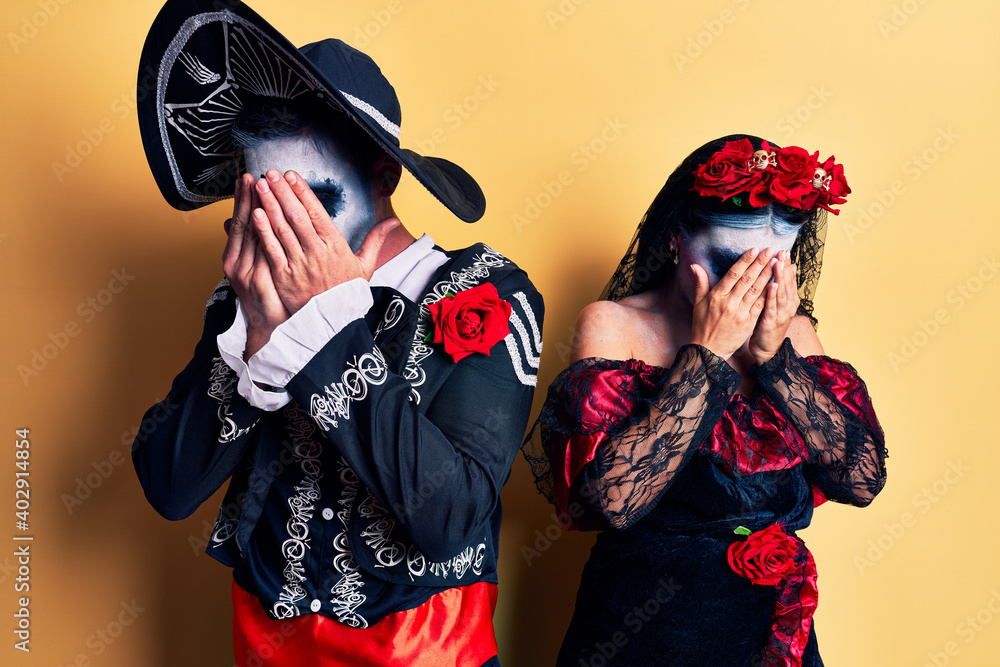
718 246
339 184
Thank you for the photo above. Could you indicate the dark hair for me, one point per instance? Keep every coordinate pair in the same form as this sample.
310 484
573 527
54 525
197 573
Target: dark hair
263 120
678 210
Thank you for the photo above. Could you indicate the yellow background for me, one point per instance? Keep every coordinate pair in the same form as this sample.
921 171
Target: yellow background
876 83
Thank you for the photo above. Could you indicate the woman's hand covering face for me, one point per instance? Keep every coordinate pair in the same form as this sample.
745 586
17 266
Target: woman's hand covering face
781 304
725 315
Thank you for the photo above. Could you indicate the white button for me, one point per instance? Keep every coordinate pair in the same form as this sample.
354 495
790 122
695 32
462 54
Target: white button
327 513
315 605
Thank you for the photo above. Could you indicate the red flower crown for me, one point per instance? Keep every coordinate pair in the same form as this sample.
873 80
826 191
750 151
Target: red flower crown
789 176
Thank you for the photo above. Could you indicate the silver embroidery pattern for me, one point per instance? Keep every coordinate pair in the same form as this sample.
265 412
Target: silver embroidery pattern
208 174
197 70
221 384
457 281
373 113
336 399
389 553
218 294
529 377
393 314
307 451
224 529
253 62
347 595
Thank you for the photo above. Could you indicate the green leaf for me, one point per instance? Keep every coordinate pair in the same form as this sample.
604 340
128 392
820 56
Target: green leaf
449 294
743 530
738 201
429 338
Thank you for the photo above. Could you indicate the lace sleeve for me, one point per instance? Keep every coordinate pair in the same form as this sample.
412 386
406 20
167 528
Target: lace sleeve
638 461
829 405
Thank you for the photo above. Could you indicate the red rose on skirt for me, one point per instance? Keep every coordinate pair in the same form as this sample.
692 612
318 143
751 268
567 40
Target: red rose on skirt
765 557
473 320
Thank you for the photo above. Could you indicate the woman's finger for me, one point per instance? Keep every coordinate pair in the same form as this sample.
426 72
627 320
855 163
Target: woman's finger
760 285
735 272
771 303
747 282
788 302
701 288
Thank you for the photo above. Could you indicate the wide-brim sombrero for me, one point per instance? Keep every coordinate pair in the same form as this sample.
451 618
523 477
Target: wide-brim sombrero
203 60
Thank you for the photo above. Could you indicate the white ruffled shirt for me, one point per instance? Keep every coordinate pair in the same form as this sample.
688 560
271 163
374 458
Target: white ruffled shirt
295 341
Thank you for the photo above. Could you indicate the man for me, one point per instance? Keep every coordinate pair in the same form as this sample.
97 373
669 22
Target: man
365 391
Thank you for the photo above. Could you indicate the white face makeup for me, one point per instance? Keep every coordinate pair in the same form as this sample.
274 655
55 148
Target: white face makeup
341 187
717 247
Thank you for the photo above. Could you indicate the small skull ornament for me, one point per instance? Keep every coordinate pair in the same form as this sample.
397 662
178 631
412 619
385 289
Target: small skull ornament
762 159
821 179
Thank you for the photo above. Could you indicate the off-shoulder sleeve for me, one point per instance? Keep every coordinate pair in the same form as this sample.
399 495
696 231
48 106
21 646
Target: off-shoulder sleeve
829 405
612 434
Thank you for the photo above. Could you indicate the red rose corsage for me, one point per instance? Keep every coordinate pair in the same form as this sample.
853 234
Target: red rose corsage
474 320
789 176
765 557
771 557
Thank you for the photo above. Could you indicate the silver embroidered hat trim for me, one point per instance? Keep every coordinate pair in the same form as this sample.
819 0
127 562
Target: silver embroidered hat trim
261 67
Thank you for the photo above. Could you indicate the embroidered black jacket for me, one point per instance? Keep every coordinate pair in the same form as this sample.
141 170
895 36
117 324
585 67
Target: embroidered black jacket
379 484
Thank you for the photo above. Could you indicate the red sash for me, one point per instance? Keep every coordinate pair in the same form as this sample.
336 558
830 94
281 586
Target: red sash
454 627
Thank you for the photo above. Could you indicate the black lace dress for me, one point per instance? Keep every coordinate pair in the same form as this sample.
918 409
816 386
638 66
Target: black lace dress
676 469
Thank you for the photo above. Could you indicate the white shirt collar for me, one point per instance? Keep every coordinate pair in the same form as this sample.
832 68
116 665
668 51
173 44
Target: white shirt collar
411 270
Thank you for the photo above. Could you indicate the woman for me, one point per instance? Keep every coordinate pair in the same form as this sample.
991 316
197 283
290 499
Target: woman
700 423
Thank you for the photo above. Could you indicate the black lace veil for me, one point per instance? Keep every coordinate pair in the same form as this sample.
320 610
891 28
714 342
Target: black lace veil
649 263
677 209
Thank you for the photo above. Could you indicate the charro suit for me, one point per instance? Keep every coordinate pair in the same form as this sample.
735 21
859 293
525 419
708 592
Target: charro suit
379 484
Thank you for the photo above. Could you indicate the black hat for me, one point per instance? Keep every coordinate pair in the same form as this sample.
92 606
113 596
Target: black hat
210 57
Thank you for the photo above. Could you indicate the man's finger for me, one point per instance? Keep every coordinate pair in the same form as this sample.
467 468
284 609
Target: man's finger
324 226
270 245
236 225
368 252
279 229
295 213
243 263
